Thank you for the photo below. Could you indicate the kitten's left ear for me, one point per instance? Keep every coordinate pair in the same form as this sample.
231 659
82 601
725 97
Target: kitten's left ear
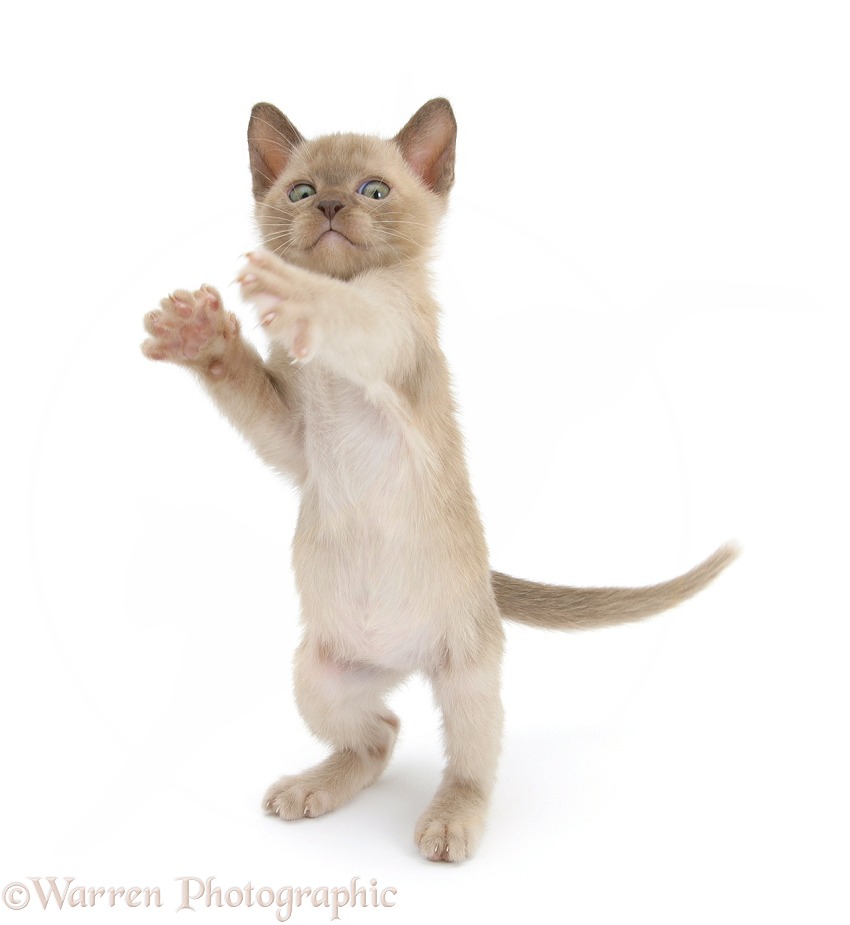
427 143
271 141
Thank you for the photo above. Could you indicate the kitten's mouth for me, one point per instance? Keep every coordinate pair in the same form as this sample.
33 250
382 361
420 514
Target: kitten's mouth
333 236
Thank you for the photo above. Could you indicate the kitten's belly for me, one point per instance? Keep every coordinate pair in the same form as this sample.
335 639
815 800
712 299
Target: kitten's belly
366 562
369 602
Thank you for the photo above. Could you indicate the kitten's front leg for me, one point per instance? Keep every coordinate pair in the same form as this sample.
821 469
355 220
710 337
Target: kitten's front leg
364 329
193 330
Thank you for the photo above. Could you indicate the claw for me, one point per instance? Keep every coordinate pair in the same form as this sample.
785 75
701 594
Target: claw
212 298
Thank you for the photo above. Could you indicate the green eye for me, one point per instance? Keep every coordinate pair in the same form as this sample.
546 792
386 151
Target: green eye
301 191
374 189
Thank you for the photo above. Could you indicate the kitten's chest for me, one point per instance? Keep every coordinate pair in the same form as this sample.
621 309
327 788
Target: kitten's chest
356 450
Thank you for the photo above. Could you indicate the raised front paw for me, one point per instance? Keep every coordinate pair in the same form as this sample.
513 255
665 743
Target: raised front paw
285 297
191 328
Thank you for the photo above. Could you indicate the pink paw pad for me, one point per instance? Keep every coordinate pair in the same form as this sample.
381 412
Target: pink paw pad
190 327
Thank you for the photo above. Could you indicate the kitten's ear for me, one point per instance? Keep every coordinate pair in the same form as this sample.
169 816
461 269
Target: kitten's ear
271 140
428 144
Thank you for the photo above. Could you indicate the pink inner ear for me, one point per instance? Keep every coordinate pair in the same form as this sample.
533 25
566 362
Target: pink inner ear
271 140
427 143
273 152
428 151
423 157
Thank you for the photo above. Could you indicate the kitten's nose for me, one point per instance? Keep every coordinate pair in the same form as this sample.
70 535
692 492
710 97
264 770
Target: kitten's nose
330 207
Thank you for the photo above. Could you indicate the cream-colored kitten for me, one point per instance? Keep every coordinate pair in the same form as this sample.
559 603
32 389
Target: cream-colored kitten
354 404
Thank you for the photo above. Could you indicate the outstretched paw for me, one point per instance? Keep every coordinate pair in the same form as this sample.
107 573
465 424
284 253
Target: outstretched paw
285 299
191 328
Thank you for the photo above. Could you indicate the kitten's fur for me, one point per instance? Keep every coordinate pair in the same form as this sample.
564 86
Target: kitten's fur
354 404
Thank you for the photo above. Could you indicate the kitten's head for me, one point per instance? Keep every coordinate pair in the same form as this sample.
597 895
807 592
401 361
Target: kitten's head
342 204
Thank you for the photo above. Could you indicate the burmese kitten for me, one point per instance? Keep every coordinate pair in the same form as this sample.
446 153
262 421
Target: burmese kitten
354 405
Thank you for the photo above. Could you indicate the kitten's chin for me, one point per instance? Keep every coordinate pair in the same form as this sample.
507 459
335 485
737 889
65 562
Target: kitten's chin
334 255
337 255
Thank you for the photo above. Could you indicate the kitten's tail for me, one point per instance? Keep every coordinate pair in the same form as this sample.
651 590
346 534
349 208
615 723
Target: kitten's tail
556 607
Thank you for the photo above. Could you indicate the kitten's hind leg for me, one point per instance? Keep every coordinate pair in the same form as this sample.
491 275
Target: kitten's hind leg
467 691
343 704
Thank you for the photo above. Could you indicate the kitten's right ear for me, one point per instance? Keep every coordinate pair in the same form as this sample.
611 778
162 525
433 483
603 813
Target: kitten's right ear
271 140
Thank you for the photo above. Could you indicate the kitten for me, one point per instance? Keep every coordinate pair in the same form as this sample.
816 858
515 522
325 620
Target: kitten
354 405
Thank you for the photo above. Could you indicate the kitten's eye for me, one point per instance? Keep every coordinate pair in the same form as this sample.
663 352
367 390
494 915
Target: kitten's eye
374 189
301 191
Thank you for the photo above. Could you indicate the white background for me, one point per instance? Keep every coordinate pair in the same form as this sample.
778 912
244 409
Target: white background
645 283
